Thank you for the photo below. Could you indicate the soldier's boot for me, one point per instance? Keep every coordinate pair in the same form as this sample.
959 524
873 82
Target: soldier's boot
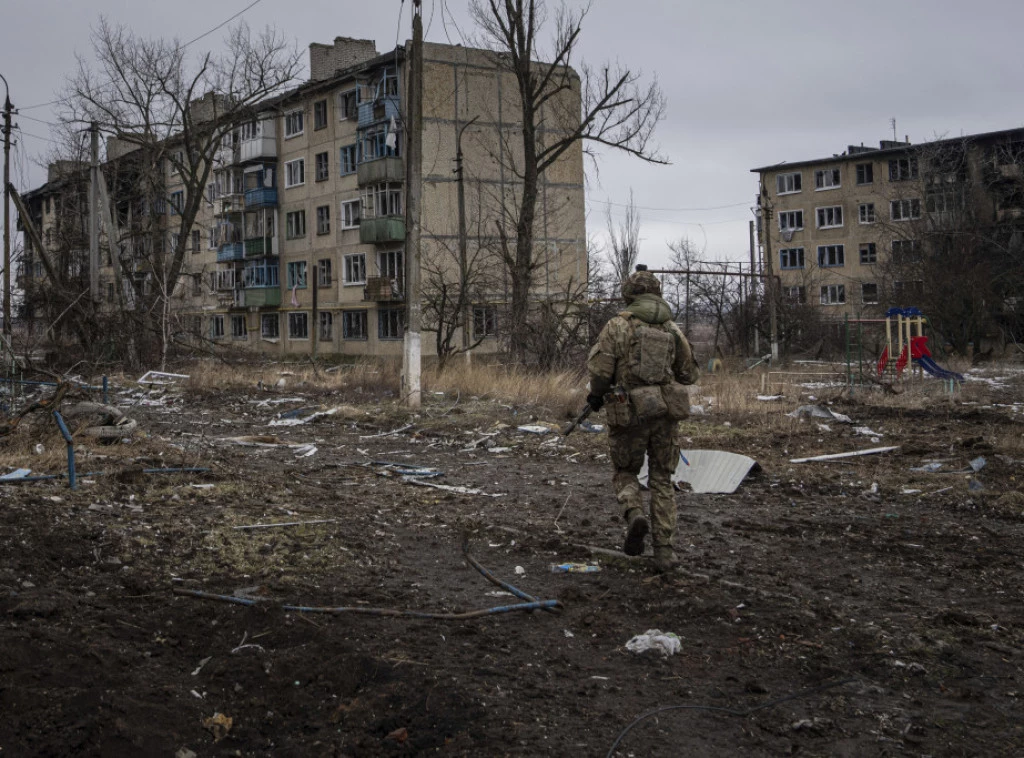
665 558
637 527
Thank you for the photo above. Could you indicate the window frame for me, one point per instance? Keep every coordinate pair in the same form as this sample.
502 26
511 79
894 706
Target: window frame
352 318
824 212
865 174
866 209
267 319
239 334
487 315
347 160
290 119
322 166
909 209
348 219
289 179
348 110
323 220
798 213
793 180
827 291
787 256
348 267
903 169
868 253
385 317
827 179
864 295
836 252
326 320
296 319
291 224
297 273
217 327
319 115
324 273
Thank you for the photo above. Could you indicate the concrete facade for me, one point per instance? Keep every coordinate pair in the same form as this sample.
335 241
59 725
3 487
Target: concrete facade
299 244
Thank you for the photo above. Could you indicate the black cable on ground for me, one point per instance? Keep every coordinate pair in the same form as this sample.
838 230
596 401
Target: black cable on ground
727 711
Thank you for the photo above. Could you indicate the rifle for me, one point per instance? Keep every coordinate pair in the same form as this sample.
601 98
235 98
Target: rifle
587 410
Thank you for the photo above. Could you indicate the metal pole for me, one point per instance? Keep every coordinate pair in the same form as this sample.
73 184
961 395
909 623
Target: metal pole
94 213
463 244
414 183
8 108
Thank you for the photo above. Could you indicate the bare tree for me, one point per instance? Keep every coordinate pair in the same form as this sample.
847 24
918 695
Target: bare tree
624 241
172 113
618 111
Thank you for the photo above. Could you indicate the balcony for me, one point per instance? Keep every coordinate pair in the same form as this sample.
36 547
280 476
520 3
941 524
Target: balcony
381 109
382 289
263 197
229 204
260 246
225 280
383 229
261 148
259 297
381 170
231 251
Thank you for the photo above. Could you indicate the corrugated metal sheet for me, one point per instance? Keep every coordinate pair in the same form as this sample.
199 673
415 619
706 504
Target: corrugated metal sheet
709 471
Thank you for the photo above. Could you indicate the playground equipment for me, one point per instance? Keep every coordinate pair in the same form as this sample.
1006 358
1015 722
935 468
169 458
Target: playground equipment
910 345
905 345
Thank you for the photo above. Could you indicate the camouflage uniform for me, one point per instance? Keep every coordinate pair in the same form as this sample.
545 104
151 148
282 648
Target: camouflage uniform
631 437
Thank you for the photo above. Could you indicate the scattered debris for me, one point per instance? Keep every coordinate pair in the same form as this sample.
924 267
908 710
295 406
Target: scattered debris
533 429
450 488
218 725
867 432
402 469
288 523
666 643
817 411
978 464
15 475
296 417
708 471
201 664
520 571
155 378
770 398
851 454
574 568
399 430
111 423
399 735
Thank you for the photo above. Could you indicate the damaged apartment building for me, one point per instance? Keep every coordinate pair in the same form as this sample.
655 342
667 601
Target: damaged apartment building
936 225
299 245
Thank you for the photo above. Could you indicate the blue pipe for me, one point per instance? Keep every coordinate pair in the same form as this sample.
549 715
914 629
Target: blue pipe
106 390
48 477
72 480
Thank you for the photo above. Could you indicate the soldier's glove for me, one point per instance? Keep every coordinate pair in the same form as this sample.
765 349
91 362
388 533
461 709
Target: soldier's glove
596 402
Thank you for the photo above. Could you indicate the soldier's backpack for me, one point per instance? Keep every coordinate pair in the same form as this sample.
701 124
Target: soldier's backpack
648 378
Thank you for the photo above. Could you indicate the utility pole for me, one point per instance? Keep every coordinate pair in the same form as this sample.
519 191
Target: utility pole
753 288
463 244
94 213
8 109
412 356
766 231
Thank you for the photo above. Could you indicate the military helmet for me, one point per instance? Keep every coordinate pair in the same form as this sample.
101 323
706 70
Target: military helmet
642 282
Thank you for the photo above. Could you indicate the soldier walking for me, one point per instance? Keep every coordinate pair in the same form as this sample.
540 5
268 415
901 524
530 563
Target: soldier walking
637 371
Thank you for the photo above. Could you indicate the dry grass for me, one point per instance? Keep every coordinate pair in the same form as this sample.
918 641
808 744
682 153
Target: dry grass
560 393
376 377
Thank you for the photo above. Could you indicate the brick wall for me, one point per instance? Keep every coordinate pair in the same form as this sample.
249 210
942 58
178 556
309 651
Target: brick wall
326 60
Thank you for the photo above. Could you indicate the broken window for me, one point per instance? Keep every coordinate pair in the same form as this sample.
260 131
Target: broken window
270 326
791 220
868 253
322 166
355 268
831 255
349 214
905 210
353 325
865 173
866 213
485 321
326 325
298 325
830 217
390 323
239 329
323 219
297 274
323 272
293 123
869 293
791 257
788 183
320 114
902 169
826 178
833 294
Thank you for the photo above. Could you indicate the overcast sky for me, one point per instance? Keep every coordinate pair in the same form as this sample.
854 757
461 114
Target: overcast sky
748 84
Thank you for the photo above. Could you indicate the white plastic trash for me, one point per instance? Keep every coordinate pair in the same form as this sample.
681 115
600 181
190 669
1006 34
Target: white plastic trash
666 643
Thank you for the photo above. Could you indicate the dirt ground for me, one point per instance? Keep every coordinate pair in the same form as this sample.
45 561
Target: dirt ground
847 608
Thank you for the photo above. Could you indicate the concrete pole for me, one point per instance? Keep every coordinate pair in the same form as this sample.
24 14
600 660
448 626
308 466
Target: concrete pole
463 245
766 214
7 212
753 290
94 213
412 356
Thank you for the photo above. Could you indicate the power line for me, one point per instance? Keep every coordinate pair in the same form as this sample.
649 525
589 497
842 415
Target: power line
673 210
182 47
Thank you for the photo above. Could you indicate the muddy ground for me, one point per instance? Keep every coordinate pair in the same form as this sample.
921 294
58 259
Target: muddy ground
887 601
